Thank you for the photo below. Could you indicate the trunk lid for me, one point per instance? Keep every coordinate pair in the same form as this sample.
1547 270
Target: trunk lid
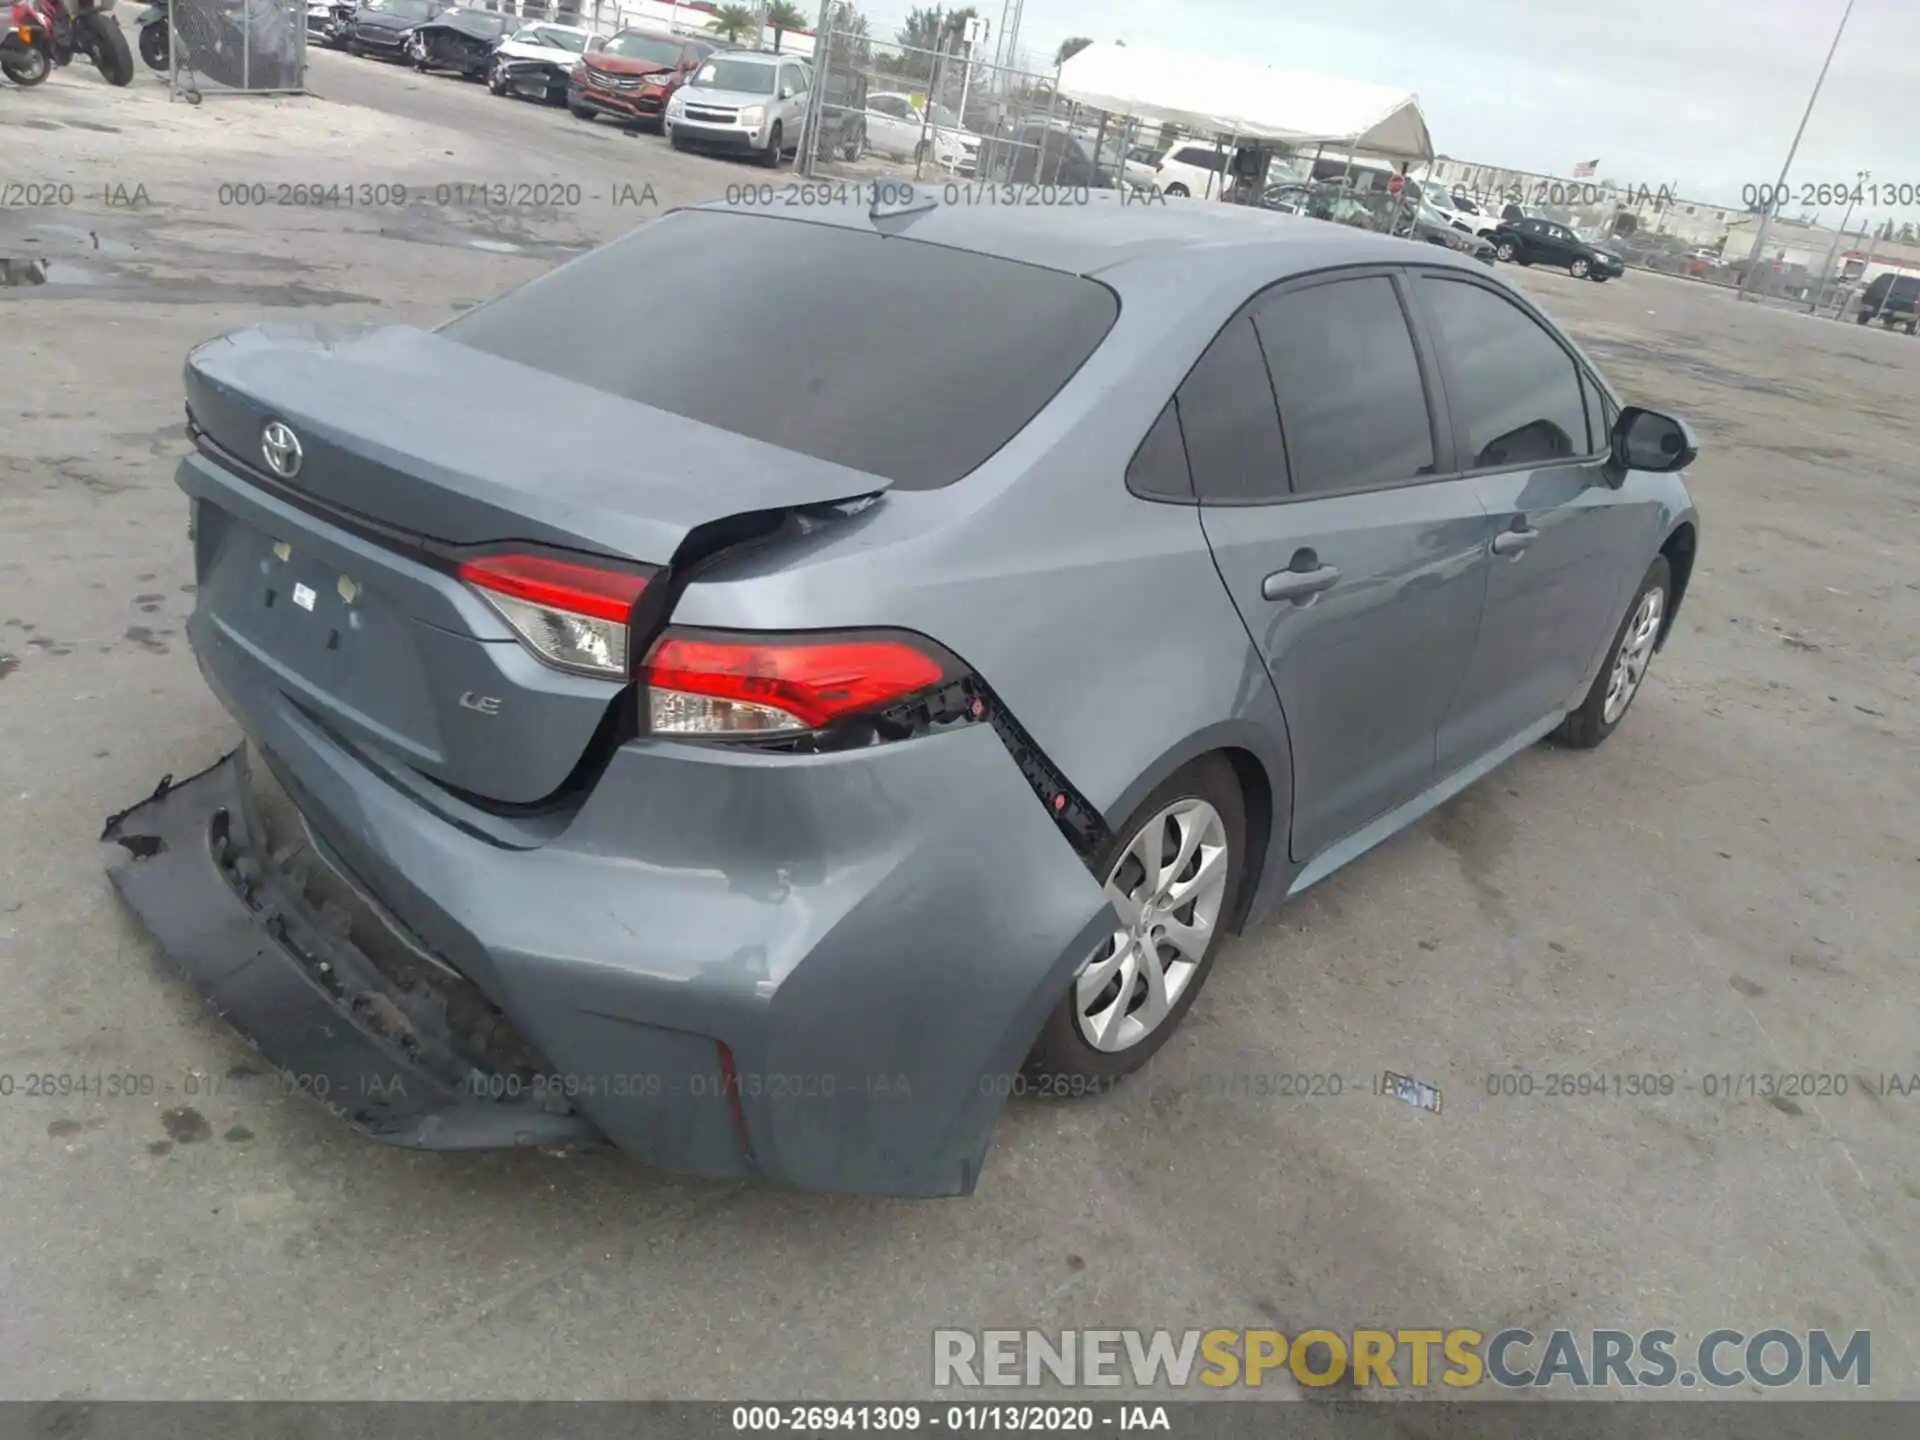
334 585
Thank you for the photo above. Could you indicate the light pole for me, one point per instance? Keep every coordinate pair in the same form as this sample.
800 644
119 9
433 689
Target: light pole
1826 278
1766 211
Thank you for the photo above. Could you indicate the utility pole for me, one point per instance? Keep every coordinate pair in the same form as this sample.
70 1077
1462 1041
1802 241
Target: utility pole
1766 211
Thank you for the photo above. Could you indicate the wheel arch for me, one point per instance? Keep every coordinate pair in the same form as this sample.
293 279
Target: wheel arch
1263 771
1679 548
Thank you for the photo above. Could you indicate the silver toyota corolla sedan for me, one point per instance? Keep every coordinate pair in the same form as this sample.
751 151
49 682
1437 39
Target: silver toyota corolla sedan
898 680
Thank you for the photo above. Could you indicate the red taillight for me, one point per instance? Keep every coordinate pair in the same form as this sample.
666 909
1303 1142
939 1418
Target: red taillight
746 685
572 615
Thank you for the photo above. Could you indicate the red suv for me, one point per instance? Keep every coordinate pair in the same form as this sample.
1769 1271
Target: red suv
631 75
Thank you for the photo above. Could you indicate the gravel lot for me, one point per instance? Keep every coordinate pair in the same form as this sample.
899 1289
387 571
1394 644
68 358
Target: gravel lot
1727 888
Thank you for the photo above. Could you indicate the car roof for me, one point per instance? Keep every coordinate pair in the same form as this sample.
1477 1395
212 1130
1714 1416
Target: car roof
1146 240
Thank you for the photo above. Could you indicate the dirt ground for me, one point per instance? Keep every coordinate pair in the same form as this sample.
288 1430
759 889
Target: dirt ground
1726 889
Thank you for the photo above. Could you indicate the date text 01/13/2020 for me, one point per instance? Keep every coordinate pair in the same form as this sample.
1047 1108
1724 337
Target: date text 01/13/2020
953 1419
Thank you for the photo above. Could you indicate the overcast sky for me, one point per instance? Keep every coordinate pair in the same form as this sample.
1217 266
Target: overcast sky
1700 94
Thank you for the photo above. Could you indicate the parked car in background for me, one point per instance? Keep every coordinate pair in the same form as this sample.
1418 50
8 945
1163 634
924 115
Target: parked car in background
537 60
741 102
1319 200
1194 170
1045 153
380 27
461 41
1142 166
1547 242
634 75
1892 300
328 22
1420 219
705 735
900 130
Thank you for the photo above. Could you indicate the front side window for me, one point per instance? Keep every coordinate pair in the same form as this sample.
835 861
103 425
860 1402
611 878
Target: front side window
1352 405
1514 390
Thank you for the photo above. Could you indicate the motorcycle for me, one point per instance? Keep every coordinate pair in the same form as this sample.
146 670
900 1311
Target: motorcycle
246 44
26 49
84 27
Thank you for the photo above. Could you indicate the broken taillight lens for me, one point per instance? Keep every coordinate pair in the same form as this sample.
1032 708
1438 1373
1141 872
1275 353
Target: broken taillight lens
743 685
571 615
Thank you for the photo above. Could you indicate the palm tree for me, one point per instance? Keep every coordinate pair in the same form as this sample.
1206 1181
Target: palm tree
1070 47
730 22
922 30
783 15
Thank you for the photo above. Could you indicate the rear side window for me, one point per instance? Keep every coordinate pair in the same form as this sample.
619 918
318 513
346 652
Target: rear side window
1514 392
1352 404
902 359
1230 424
1159 467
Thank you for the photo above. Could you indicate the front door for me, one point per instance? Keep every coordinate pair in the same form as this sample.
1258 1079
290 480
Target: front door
1360 576
1562 559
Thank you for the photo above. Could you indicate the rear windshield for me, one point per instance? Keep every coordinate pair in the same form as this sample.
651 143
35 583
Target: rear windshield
754 79
907 360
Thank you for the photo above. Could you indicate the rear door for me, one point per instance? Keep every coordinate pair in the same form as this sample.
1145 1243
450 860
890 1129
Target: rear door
1359 575
1530 428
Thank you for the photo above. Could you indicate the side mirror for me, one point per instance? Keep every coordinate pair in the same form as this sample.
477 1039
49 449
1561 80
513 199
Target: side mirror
1648 440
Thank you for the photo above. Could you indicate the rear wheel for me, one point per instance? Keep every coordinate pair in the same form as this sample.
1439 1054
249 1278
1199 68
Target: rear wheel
1577 267
106 44
1633 649
1174 872
1177 189
1863 318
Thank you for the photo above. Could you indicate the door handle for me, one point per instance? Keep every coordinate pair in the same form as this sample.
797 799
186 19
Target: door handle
1512 542
1298 586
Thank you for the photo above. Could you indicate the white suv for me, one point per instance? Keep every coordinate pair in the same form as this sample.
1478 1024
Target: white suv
742 101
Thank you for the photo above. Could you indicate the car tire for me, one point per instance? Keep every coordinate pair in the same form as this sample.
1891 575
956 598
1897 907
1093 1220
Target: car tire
770 157
1578 268
1503 250
1628 659
580 112
856 145
1599 279
1913 327
496 80
1178 189
1088 1035
1863 319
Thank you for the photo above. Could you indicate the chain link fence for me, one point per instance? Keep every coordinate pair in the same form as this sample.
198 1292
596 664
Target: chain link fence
884 110
234 47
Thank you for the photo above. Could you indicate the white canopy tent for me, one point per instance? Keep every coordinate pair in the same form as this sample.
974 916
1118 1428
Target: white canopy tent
1253 102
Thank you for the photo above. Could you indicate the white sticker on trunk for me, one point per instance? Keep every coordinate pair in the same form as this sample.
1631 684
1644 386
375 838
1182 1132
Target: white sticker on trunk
303 596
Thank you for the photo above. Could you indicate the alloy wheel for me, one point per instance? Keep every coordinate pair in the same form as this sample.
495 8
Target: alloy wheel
1635 654
1167 888
1578 269
1503 250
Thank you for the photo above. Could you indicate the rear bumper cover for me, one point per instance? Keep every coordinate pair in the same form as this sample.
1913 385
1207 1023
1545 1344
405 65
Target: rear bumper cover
875 937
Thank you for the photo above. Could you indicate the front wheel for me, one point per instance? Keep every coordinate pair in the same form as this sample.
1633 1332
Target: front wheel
1178 189
1577 268
580 112
1633 649
497 80
1504 251
1174 872
27 66
153 46
1599 279
856 145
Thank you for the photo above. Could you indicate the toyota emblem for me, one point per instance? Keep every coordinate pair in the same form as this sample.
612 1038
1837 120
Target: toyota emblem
281 448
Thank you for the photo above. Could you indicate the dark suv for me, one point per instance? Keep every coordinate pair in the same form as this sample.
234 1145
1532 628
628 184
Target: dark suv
1892 300
1547 242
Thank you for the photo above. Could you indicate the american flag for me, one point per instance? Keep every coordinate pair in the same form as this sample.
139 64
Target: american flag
1584 170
